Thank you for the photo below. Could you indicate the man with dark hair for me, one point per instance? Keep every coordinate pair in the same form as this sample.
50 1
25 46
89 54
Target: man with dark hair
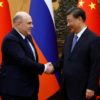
80 59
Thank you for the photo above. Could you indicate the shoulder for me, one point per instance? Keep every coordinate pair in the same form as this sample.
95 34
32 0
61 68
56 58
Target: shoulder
90 36
90 33
10 37
96 41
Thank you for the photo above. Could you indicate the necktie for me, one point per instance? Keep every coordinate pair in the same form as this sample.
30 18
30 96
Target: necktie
30 48
74 42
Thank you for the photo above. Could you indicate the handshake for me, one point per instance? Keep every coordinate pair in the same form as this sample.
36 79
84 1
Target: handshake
49 68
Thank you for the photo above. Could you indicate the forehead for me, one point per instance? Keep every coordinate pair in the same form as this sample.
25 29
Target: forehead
70 16
27 19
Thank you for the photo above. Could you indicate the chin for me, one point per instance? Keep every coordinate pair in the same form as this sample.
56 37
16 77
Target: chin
71 31
29 33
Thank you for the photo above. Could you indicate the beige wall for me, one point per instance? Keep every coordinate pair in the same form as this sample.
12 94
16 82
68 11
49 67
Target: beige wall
18 5
56 5
23 5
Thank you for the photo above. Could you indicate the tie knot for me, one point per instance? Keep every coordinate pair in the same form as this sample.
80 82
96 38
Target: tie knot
75 37
26 39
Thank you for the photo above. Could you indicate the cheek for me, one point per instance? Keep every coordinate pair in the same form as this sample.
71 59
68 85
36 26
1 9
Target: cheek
25 28
75 24
72 25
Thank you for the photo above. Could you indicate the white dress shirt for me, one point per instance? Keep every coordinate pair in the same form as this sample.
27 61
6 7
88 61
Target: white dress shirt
33 50
80 33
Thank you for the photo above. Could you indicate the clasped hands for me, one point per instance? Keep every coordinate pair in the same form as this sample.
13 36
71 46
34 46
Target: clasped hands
49 68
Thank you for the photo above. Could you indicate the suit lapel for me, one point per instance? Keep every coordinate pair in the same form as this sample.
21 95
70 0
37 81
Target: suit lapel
81 40
24 46
68 45
30 39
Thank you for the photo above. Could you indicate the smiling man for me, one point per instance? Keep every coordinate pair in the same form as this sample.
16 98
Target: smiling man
80 59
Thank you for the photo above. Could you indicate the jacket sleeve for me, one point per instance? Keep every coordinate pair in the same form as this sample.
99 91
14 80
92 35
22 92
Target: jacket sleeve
60 63
95 65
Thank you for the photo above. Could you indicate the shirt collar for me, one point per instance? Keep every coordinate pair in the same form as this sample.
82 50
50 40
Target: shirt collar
81 32
20 33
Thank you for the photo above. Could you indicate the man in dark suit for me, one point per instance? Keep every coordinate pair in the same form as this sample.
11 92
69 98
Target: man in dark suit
20 67
80 59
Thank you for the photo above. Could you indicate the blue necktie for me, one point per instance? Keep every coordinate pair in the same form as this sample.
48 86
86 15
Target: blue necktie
74 42
29 47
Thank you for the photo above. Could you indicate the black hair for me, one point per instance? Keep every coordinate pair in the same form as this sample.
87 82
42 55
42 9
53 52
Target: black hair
77 12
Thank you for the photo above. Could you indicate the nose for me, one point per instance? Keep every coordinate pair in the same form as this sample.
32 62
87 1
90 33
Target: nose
32 25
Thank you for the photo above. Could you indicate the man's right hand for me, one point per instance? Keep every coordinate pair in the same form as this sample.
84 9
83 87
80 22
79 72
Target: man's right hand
49 68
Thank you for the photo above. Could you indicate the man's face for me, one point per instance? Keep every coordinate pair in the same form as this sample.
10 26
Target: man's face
26 26
73 23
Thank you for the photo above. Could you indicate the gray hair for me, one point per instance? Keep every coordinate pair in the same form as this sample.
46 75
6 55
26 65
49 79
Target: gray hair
16 18
20 15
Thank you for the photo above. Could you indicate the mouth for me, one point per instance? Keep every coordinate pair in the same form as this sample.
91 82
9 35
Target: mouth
30 30
70 28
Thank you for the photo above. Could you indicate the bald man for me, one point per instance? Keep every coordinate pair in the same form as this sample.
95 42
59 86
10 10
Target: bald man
20 67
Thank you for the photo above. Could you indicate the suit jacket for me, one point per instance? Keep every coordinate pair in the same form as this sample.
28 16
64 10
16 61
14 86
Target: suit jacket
19 68
81 66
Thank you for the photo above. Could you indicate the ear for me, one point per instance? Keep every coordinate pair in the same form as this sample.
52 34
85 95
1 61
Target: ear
19 22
